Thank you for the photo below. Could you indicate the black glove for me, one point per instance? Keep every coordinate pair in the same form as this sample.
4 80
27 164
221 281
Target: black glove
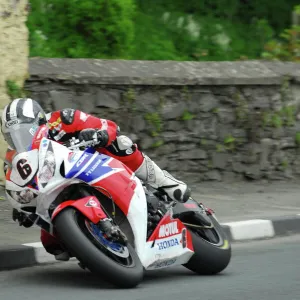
23 219
89 134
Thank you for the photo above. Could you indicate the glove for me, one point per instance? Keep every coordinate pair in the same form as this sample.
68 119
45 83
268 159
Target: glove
89 134
23 219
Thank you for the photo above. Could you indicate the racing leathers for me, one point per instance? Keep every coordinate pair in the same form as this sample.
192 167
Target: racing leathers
68 123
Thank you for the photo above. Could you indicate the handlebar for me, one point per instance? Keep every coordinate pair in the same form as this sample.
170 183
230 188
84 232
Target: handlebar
75 144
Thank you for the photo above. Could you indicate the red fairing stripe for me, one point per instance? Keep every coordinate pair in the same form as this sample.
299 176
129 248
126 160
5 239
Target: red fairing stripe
89 206
41 132
119 185
168 227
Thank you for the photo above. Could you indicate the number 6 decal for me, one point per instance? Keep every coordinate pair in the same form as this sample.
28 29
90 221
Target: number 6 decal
23 168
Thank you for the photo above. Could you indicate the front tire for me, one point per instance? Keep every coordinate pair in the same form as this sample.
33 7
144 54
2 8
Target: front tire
211 256
70 228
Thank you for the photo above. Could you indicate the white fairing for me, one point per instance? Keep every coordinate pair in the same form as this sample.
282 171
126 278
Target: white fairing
153 257
55 183
137 217
45 164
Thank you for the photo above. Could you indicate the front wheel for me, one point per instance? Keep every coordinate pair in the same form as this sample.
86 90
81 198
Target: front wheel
115 263
212 250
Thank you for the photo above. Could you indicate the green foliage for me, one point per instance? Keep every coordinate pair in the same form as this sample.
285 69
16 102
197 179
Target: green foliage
154 120
287 47
276 121
161 29
220 148
157 144
285 117
13 90
229 142
187 116
241 110
297 138
284 164
130 96
289 115
81 28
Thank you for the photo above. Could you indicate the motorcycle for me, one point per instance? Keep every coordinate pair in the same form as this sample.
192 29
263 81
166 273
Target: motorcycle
72 187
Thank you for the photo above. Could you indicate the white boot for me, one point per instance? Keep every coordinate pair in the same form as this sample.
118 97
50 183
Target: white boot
150 173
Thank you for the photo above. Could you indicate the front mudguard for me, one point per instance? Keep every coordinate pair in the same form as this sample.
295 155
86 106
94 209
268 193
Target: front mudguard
89 206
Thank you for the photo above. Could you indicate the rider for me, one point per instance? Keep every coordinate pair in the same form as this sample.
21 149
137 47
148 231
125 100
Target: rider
27 114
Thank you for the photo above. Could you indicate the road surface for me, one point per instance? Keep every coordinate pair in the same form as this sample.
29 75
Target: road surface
231 202
264 270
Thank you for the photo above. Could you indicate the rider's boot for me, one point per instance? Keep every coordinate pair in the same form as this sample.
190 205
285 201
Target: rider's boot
160 179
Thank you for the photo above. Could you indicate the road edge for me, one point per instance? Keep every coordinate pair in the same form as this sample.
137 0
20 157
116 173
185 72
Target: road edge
32 254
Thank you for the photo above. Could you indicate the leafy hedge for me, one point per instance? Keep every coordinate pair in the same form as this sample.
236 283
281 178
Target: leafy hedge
81 28
158 29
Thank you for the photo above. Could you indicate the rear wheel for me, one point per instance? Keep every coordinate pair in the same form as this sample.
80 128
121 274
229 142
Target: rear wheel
114 262
212 250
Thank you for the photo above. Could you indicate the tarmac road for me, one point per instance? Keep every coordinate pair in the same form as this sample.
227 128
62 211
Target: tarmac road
231 202
264 270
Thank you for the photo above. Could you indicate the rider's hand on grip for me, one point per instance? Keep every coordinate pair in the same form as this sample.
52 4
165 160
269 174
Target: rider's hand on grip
99 136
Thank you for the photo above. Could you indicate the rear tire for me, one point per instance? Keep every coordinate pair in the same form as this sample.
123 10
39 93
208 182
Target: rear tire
209 258
67 224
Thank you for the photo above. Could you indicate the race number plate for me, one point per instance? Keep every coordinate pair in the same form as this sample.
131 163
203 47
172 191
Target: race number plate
24 167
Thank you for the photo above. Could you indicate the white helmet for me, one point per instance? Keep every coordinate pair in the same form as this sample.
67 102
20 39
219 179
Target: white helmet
20 121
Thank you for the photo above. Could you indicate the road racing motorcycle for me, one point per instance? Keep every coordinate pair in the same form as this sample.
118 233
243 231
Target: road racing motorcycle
71 187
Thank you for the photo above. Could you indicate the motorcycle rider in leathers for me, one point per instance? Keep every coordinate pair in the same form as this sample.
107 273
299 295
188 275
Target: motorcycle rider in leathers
67 123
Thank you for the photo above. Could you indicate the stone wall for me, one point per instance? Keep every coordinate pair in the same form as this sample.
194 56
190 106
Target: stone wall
202 121
13 53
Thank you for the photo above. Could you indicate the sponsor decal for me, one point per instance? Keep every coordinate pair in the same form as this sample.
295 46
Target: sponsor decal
83 116
65 112
92 203
168 244
44 143
104 124
41 115
168 229
41 132
165 263
57 128
12 123
67 116
71 156
81 160
56 123
33 130
150 170
93 168
12 114
59 135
